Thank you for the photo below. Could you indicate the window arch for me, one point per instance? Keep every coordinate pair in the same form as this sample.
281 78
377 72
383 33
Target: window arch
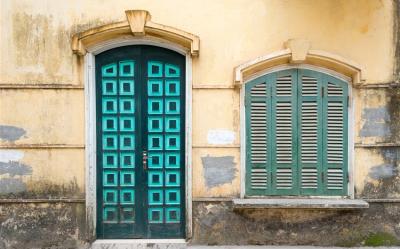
296 134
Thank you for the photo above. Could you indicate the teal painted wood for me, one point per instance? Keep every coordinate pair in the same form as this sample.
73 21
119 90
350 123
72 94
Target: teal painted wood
284 133
303 148
335 109
258 115
140 112
310 128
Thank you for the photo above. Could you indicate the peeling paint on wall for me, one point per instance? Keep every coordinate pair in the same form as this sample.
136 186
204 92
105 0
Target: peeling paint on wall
11 171
15 168
376 122
382 171
11 185
218 137
10 155
218 170
11 133
385 176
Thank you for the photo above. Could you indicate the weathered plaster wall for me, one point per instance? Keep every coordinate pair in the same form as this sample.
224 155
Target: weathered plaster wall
330 25
42 225
377 136
42 130
42 117
41 135
41 173
35 49
215 223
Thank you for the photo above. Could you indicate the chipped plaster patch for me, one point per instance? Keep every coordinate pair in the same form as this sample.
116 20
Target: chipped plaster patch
15 168
220 137
11 133
383 171
10 155
218 170
9 169
11 185
376 122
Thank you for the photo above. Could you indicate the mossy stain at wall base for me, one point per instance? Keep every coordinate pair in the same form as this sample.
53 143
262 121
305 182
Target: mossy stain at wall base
59 225
216 223
381 239
40 189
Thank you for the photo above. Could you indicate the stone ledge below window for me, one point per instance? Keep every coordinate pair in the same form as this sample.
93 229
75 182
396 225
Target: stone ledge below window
299 203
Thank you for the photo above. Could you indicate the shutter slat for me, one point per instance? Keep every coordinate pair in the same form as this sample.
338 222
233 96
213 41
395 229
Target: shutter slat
284 86
334 141
257 131
309 86
334 90
283 131
284 121
309 132
334 131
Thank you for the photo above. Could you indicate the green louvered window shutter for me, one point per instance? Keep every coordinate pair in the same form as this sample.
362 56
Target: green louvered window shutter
335 156
310 132
296 126
283 141
257 117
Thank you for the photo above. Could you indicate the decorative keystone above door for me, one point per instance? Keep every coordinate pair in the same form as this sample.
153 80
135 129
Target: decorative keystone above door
138 24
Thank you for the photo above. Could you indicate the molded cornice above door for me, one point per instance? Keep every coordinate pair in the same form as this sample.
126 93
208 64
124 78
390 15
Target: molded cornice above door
138 24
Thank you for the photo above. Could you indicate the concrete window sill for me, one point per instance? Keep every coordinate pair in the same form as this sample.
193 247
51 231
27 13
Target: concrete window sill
299 203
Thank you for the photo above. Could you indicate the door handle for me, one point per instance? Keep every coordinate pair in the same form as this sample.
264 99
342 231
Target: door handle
145 160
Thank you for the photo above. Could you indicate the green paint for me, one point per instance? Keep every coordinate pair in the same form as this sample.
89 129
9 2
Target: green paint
303 148
140 109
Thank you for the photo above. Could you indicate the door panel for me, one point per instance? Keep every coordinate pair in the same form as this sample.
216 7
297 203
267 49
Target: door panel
140 134
164 143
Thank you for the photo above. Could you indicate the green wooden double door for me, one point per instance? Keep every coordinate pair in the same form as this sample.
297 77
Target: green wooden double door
140 94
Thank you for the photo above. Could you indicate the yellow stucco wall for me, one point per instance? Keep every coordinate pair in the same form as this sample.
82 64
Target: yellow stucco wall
35 49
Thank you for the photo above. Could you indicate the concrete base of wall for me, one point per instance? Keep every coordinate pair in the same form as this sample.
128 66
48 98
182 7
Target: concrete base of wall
42 225
63 225
217 223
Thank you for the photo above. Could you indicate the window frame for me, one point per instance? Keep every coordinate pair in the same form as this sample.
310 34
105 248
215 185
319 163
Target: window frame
350 131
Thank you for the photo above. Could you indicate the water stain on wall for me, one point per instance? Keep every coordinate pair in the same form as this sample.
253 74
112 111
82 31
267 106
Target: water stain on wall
11 133
218 170
386 176
376 122
382 171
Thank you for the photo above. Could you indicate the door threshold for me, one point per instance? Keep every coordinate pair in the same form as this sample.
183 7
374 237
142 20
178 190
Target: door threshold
139 241
139 244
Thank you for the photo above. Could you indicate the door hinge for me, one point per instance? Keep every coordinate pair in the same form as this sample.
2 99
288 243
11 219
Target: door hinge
348 101
348 178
